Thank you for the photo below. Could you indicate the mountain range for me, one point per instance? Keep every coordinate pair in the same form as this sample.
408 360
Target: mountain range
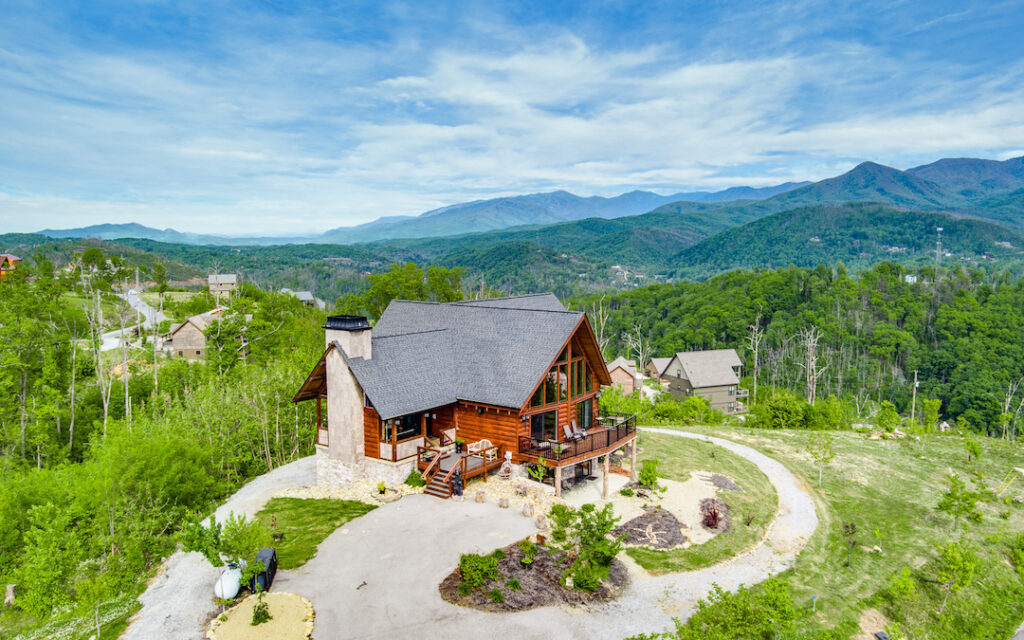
467 217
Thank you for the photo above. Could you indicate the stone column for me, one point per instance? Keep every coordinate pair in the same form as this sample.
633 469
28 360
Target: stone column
604 490
632 460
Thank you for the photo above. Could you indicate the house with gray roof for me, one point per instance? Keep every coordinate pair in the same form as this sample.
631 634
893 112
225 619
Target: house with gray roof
713 374
461 389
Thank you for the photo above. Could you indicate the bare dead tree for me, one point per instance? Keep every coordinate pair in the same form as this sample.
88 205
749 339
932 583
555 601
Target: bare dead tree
638 344
1009 420
809 338
754 338
600 317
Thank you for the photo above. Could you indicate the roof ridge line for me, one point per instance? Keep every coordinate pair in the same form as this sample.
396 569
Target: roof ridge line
411 333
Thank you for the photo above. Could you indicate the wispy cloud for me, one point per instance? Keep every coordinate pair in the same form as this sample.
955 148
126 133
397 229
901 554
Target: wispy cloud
288 123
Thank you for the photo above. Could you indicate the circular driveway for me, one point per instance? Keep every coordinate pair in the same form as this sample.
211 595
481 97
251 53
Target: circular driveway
377 576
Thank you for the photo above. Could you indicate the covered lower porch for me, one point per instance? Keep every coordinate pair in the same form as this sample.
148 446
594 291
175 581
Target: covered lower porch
576 460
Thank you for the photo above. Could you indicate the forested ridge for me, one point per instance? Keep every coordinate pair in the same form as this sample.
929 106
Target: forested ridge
962 332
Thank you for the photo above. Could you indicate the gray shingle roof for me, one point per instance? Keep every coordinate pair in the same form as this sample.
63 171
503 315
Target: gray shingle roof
426 355
712 368
660 364
621 361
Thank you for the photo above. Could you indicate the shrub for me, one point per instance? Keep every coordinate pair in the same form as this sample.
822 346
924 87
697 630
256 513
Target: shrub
415 479
261 612
648 476
242 539
529 551
784 411
763 612
887 418
1017 555
478 570
585 534
498 554
626 491
513 584
465 589
496 596
902 584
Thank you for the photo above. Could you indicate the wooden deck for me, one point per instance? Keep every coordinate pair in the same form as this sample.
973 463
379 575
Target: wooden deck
439 467
599 441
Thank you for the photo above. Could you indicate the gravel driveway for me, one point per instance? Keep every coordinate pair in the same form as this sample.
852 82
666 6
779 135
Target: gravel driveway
180 599
377 576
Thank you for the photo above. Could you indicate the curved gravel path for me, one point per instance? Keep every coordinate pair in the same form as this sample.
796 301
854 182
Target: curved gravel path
180 599
377 576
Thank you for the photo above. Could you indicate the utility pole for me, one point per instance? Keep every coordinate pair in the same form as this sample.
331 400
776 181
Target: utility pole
913 399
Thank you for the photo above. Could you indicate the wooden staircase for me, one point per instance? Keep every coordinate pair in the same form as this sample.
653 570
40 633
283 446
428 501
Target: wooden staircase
439 487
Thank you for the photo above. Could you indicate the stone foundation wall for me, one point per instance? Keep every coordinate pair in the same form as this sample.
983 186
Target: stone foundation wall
333 472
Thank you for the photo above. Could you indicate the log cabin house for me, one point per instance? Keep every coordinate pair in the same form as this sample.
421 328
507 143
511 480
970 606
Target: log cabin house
514 380
8 263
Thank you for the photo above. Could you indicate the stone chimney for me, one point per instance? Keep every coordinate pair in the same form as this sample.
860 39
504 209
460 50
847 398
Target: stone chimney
346 444
353 333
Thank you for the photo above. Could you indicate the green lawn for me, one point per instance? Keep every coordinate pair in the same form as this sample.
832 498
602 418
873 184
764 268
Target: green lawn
677 458
889 489
302 524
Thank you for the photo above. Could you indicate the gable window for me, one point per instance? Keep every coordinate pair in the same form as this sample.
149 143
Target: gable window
569 378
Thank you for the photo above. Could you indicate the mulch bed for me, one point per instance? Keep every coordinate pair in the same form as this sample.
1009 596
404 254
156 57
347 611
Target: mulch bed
725 483
725 522
540 583
656 528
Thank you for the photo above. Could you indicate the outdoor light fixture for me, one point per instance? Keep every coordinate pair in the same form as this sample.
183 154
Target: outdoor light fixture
479 409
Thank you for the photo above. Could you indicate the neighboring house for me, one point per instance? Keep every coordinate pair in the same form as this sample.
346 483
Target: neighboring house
623 373
223 284
656 367
710 374
517 379
307 298
188 340
8 263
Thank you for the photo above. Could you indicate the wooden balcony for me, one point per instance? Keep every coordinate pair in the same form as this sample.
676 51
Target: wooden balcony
613 431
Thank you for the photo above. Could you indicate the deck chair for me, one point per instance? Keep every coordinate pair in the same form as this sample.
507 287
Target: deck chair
578 433
569 433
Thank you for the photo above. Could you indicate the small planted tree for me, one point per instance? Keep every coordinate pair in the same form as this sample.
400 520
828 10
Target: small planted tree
585 534
957 566
887 417
821 449
959 502
850 534
973 448
648 476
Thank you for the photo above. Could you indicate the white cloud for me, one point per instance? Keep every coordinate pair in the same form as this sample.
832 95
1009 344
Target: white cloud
307 135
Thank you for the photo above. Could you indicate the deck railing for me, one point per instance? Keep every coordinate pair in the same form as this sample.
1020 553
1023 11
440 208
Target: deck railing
620 427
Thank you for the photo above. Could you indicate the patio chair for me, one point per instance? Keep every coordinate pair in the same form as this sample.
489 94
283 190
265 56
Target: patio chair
578 433
569 433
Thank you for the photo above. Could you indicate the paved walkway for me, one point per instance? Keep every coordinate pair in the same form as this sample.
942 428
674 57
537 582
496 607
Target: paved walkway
377 576
180 599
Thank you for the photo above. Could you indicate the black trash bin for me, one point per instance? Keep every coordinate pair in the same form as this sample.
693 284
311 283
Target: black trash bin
262 580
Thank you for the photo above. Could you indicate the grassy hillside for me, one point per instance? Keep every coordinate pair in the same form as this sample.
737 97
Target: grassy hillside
889 489
858 235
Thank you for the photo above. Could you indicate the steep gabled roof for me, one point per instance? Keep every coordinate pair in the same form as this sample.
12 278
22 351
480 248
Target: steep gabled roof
622 362
426 355
712 368
660 364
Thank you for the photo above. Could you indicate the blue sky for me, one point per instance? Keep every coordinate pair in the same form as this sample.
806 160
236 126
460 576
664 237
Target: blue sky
281 118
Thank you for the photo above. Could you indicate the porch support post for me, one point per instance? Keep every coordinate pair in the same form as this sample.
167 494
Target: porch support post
604 489
319 419
632 461
558 482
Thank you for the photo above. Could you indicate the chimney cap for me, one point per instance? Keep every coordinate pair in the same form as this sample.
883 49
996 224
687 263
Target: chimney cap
347 323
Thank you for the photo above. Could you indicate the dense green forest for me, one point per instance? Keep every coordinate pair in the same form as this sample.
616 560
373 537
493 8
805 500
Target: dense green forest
826 331
100 464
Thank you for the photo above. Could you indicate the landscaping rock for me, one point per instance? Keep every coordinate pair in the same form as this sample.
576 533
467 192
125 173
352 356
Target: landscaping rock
542 522
503 503
481 496
9 595
528 510
1018 499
